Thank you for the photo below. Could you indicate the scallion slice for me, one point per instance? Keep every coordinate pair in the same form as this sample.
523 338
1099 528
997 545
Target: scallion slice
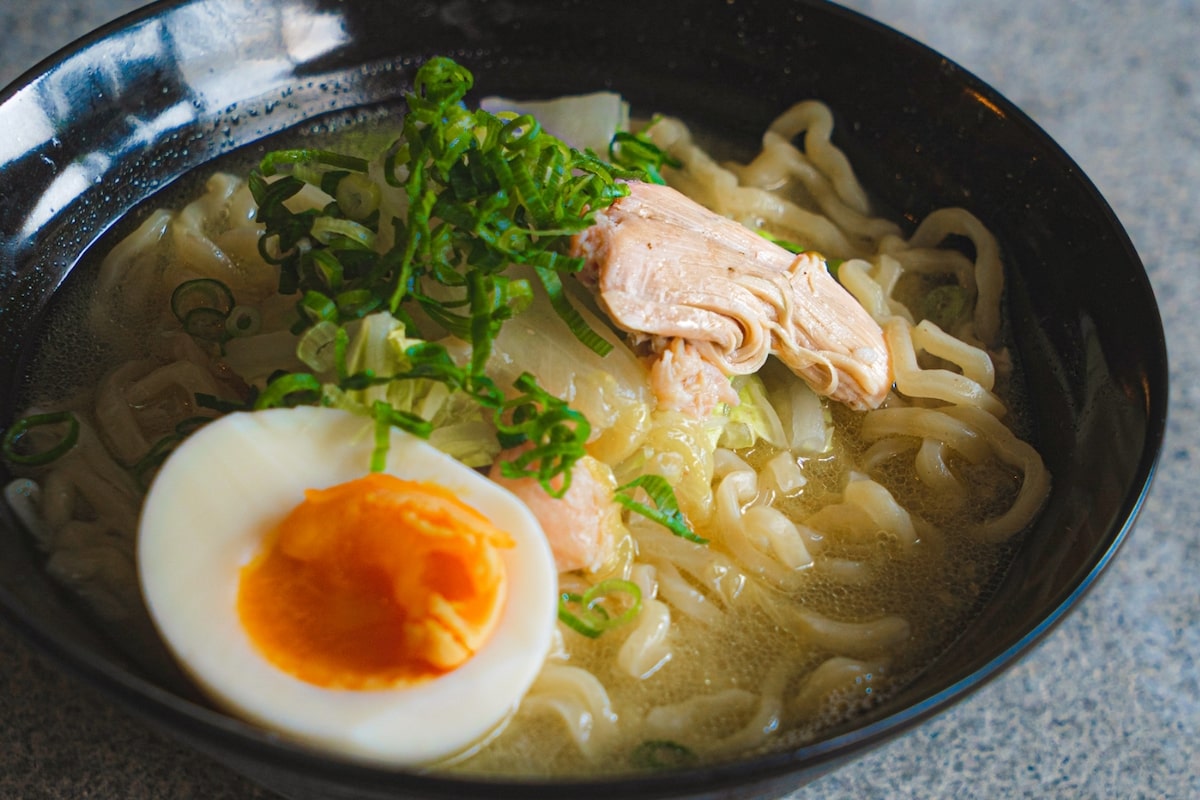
11 446
556 432
386 418
201 293
662 754
283 160
480 193
205 323
286 391
357 196
831 264
665 512
609 604
243 321
327 230
945 305
575 321
635 151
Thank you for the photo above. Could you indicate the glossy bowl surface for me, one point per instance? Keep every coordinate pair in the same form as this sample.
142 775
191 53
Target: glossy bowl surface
126 112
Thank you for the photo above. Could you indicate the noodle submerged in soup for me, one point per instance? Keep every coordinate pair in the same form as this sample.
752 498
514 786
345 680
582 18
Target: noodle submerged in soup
745 559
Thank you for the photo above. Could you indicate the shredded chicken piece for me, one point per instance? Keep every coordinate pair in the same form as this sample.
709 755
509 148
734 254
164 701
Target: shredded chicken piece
666 268
584 525
683 381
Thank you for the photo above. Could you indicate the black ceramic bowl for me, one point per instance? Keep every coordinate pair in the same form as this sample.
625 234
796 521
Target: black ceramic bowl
136 106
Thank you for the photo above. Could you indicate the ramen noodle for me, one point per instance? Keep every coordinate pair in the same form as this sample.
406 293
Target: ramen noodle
835 551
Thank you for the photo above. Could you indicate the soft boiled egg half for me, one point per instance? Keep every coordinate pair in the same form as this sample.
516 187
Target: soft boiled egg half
396 617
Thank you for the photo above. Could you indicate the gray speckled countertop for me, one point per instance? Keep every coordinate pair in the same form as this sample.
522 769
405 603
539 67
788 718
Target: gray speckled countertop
1108 706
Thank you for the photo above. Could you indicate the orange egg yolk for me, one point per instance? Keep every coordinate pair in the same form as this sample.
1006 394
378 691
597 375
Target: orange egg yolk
375 583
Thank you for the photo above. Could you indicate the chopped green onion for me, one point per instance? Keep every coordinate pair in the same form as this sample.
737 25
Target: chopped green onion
205 323
636 151
326 267
317 307
589 613
480 193
222 406
243 321
385 418
357 196
556 432
272 163
831 264
357 303
154 458
662 754
786 244
207 311
291 389
945 305
160 450
575 321
12 438
315 348
383 433
666 510
206 293
326 230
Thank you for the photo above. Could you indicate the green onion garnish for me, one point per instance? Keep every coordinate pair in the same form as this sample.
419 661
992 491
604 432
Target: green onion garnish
482 193
205 323
635 151
288 390
357 196
243 321
285 161
11 446
831 264
665 511
385 418
661 754
159 451
609 604
575 321
556 432
945 305
206 309
200 293
329 230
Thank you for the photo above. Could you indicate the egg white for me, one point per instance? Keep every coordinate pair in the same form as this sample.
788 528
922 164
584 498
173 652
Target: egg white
232 482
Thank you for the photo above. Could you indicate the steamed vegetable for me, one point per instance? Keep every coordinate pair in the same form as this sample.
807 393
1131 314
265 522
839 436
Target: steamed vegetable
481 193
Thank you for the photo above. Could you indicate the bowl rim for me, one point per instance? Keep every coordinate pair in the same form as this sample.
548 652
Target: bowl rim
170 712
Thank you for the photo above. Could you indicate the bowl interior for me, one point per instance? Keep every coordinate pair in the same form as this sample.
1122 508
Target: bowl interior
133 108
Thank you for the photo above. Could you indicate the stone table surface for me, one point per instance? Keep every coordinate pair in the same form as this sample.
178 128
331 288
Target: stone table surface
1107 706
